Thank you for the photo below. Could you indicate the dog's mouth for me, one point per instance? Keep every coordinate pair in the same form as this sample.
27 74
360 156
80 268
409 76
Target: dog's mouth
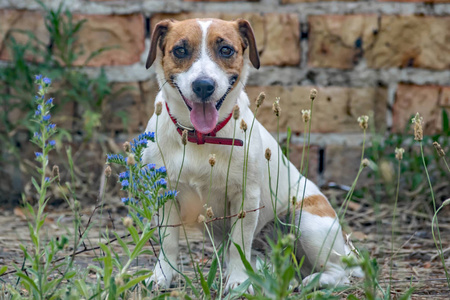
204 115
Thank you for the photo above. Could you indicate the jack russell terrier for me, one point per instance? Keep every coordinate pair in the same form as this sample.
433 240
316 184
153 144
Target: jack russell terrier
202 67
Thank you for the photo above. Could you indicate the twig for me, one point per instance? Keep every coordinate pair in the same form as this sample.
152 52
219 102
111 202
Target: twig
127 235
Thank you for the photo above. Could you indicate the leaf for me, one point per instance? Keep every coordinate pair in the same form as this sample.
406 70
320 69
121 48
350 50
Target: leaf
445 122
122 243
3 269
139 245
133 282
212 272
134 234
204 284
244 260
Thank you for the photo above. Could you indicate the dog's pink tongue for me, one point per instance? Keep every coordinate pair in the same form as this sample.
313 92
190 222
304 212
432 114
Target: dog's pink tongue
204 117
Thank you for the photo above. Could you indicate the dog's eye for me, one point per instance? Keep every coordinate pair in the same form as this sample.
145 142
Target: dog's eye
226 51
180 52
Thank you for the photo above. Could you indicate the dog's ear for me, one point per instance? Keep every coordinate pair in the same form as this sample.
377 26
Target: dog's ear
158 34
246 31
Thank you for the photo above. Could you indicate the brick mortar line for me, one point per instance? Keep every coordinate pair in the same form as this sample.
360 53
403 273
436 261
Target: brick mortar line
302 9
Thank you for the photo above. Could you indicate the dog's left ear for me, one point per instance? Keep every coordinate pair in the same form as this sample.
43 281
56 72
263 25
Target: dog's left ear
246 31
158 34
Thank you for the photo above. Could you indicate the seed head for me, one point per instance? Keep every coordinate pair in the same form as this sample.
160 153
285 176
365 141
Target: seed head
210 213
118 281
242 214
212 160
365 162
268 154
306 115
55 172
76 206
260 99
184 138
386 171
174 294
418 130
127 222
313 94
399 153
363 122
200 218
243 125
236 112
158 109
276 107
108 171
439 149
131 161
127 147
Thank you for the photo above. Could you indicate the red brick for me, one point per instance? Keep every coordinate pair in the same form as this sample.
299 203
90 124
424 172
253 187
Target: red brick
340 41
333 38
271 31
11 20
124 32
336 109
425 100
411 41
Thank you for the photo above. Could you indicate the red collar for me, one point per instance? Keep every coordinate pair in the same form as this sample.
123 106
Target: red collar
210 138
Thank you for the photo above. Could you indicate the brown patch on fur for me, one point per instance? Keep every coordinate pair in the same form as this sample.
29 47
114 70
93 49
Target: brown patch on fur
188 34
224 33
317 205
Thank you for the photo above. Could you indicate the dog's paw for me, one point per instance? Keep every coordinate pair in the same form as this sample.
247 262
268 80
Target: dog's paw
327 280
234 281
161 280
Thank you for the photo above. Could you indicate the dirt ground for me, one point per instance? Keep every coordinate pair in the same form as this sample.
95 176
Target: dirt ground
416 263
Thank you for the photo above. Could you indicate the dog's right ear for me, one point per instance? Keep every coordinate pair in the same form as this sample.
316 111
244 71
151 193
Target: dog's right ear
158 34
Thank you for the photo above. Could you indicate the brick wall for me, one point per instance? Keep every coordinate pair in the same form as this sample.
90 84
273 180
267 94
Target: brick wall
389 58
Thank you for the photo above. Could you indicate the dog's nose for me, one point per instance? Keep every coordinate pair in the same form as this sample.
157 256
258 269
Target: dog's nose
203 87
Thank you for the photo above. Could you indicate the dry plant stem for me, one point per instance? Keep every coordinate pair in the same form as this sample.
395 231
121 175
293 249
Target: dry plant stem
278 169
393 227
438 245
207 205
446 164
243 189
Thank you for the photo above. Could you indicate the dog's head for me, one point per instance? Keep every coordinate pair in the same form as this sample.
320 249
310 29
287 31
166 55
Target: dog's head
199 63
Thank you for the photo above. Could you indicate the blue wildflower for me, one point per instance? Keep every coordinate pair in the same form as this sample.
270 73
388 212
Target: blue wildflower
126 200
52 143
47 179
125 183
38 154
37 112
162 170
162 181
46 117
39 107
50 127
47 80
38 77
124 175
40 87
49 101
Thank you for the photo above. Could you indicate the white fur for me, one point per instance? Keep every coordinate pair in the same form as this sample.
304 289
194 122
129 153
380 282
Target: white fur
194 184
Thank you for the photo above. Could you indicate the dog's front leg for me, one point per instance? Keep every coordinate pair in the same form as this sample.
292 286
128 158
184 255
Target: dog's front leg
242 234
169 237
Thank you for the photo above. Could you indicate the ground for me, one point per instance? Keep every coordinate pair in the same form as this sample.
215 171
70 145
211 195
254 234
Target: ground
416 262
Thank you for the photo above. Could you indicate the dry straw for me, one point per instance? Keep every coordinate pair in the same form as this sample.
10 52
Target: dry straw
55 172
209 212
108 171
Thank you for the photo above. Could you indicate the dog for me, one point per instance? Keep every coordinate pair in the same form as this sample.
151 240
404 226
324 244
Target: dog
202 67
